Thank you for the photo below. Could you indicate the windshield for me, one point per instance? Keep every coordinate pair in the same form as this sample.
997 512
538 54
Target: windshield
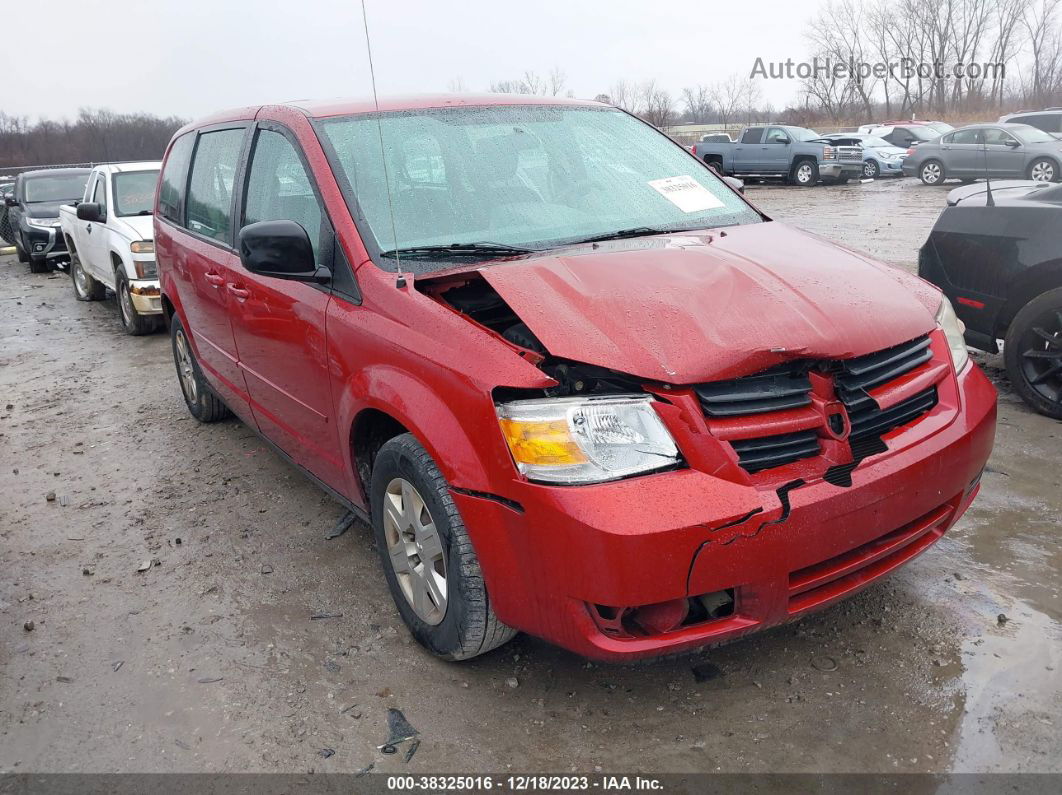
1032 135
134 192
525 176
54 188
804 134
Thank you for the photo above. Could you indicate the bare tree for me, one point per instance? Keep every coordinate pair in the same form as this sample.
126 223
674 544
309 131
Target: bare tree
698 103
726 96
655 105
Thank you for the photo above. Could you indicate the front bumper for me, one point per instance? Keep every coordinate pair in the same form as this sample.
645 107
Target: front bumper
146 296
44 242
675 535
890 168
833 170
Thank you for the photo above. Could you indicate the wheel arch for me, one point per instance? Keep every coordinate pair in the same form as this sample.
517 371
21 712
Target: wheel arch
1032 282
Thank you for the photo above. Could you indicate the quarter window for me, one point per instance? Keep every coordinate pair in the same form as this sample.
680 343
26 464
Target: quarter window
174 178
278 188
209 210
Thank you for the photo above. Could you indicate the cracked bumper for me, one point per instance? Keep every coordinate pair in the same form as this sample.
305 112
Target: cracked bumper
672 535
146 296
835 170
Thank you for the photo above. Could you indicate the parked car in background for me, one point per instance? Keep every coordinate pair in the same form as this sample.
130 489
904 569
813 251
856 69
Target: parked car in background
716 138
1048 120
905 135
1004 151
641 419
33 213
110 237
940 127
880 158
778 151
999 265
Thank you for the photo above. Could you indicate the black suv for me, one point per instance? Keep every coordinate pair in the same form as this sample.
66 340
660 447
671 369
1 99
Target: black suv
33 213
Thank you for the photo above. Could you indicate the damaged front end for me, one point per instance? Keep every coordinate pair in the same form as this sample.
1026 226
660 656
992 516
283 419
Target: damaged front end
788 487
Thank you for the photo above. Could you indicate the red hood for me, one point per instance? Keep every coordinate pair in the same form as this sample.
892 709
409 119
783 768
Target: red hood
688 307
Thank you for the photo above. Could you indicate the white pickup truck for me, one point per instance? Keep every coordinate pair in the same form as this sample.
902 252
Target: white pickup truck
111 241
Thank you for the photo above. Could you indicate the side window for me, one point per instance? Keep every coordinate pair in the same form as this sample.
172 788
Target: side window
209 205
776 135
174 178
752 135
997 137
279 189
964 137
1048 122
99 195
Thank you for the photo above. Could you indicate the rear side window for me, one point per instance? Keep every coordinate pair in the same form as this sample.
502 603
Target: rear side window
1048 122
174 178
963 137
752 135
278 188
209 203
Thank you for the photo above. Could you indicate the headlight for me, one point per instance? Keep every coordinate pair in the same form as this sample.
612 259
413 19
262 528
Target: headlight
586 440
43 223
953 329
146 269
142 247
828 153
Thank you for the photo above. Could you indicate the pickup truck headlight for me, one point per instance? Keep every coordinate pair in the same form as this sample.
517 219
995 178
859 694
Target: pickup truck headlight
586 440
43 223
953 329
142 247
829 153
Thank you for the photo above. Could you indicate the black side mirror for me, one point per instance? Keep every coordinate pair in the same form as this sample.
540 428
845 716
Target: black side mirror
280 249
89 211
9 200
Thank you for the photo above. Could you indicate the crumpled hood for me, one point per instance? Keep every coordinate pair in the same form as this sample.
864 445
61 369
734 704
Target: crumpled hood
692 307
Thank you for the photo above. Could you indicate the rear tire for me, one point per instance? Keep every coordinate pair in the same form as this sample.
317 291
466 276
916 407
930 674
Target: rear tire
1033 353
134 323
1043 169
85 287
202 403
23 257
931 172
413 514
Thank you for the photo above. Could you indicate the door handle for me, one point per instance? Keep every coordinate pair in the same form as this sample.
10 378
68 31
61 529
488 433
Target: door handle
241 293
215 279
88 228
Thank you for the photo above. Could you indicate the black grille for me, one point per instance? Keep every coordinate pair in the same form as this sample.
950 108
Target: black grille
774 451
872 421
866 372
755 394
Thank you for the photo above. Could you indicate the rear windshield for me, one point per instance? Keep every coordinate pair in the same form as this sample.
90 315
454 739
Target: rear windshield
532 176
54 188
134 192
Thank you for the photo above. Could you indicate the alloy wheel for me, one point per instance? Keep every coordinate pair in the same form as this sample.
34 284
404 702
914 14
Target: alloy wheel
1043 171
80 277
415 550
870 169
803 173
931 173
125 303
185 368
1041 357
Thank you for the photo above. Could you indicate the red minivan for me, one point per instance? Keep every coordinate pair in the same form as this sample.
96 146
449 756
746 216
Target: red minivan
578 384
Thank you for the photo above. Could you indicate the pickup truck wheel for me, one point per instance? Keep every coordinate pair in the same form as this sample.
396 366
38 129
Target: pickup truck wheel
85 287
805 174
202 403
431 568
1033 353
931 172
135 324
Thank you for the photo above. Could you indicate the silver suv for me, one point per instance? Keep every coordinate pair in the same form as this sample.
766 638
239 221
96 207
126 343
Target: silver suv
1049 120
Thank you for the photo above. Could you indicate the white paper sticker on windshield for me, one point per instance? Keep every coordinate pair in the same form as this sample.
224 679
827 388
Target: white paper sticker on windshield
686 193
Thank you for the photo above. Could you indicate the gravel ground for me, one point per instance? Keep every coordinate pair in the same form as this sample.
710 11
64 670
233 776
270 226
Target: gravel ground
213 660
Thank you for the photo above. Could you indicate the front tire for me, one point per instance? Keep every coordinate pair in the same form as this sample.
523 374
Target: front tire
1033 353
431 568
202 403
39 265
931 172
805 174
85 287
871 169
1043 169
134 323
23 257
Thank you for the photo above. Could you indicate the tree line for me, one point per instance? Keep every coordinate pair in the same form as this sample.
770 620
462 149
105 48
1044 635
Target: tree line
94 136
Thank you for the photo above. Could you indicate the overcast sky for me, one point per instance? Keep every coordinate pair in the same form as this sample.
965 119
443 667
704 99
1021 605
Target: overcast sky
194 57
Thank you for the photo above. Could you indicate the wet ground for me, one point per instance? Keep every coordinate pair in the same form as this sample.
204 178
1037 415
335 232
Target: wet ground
218 658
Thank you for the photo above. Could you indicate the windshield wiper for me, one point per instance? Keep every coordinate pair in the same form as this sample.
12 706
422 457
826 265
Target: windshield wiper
620 234
455 250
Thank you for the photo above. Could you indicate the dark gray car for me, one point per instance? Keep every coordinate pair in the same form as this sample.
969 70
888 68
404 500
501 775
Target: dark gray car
1004 151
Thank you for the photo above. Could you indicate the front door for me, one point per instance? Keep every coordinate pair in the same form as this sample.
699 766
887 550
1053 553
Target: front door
774 153
92 246
1006 157
280 324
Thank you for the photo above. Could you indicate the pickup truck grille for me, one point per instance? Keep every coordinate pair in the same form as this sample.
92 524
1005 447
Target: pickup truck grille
850 154
769 420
